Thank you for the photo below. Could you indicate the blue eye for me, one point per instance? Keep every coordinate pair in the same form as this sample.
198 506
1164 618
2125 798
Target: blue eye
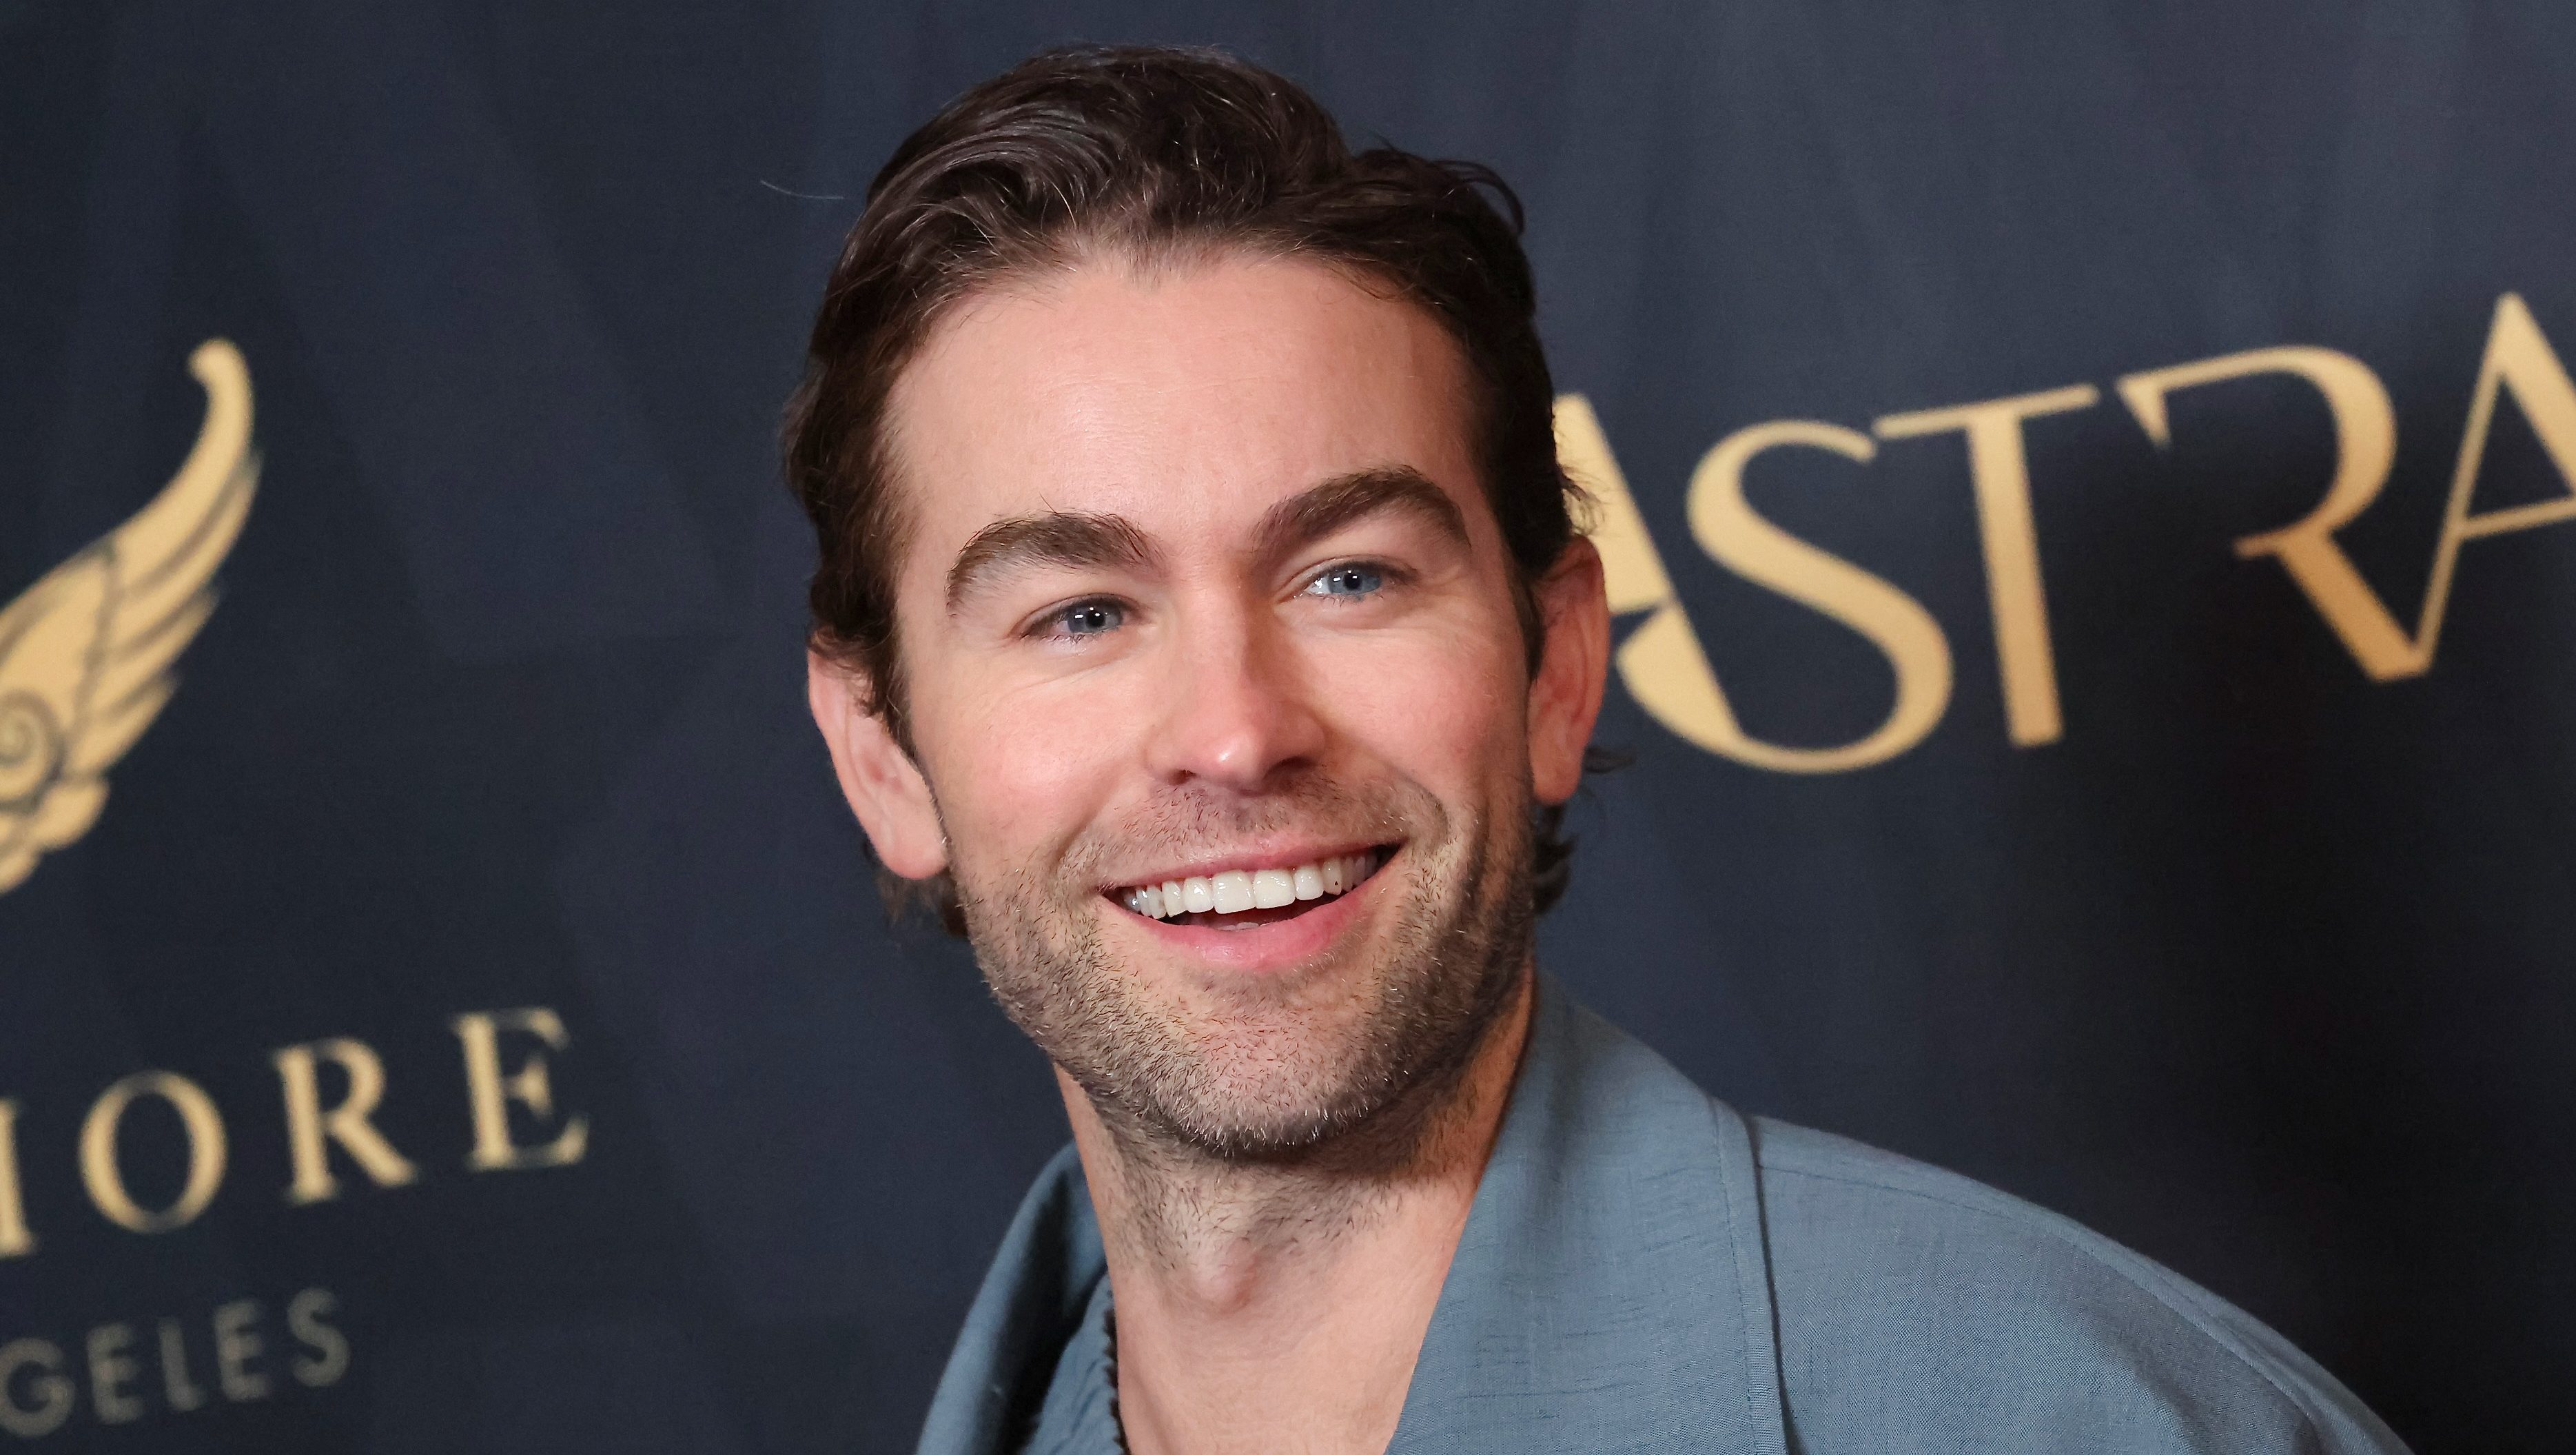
1091 618
1348 581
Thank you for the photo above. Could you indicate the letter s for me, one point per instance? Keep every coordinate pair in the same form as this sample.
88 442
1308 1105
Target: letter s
330 1357
1662 663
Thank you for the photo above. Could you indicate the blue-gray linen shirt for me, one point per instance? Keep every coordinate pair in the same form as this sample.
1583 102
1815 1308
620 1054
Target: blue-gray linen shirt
1646 1270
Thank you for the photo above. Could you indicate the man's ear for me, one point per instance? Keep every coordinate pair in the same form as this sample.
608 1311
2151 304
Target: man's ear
1565 695
884 786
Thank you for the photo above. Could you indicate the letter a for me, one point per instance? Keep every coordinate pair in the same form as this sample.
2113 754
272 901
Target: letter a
2518 358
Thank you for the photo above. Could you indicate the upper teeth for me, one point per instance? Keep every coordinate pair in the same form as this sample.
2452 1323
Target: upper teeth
1237 890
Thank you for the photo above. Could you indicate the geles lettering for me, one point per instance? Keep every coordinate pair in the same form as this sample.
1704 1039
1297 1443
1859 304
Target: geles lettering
1669 675
177 1364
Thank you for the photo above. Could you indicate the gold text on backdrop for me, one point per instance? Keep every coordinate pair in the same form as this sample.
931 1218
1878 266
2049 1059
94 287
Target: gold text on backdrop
231 1354
1667 671
508 1092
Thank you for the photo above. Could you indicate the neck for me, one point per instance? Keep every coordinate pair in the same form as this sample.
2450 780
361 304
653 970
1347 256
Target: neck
1280 1305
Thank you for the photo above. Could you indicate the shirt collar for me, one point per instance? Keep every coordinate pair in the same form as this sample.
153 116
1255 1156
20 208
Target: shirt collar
1610 1291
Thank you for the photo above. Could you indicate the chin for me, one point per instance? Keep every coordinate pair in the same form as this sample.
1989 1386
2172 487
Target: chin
1266 1082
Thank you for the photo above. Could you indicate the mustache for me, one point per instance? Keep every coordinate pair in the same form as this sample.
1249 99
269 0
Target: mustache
1194 818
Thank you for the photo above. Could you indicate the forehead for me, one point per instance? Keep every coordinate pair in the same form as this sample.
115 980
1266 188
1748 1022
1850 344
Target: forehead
1187 397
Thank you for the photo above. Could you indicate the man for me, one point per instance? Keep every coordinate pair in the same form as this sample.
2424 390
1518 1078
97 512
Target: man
1202 628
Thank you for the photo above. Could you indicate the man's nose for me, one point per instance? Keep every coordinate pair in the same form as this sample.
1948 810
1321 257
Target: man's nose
1237 707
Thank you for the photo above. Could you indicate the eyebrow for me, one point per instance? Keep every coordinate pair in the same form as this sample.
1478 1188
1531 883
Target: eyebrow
1081 540
1318 511
1070 539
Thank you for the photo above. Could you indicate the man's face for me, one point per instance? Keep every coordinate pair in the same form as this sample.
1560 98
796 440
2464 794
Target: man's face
1201 589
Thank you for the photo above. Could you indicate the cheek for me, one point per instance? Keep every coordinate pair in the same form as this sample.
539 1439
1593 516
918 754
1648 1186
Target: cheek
1440 706
1021 774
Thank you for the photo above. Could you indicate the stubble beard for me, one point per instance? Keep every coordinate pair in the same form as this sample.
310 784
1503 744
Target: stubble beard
1333 1058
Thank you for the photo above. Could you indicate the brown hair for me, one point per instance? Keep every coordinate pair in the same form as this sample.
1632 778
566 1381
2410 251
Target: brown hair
1150 151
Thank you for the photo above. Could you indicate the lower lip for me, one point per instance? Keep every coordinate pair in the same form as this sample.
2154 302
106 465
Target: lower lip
1261 949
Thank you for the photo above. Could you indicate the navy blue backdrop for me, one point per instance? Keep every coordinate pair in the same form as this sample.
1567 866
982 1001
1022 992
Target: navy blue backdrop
2220 898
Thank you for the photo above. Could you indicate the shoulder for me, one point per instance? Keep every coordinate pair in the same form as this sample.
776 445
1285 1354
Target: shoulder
1921 1310
1045 1277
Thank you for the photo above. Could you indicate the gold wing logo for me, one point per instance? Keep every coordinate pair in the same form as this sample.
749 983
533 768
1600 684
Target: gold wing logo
85 654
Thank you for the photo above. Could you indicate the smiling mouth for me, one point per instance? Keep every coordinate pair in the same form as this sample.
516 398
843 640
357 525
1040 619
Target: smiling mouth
1243 898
